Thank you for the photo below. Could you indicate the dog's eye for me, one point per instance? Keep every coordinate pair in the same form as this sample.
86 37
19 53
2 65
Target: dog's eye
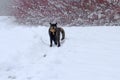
52 27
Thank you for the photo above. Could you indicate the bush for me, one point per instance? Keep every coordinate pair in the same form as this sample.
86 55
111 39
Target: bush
67 12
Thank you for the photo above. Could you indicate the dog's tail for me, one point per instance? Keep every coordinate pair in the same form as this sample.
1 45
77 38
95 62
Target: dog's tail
63 33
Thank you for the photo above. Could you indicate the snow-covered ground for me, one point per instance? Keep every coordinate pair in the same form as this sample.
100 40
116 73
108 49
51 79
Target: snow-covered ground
88 53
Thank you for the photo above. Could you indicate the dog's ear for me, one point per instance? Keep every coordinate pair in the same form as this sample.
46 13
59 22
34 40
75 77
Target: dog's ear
50 23
55 23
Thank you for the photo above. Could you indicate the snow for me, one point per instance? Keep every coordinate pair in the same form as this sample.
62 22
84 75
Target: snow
88 53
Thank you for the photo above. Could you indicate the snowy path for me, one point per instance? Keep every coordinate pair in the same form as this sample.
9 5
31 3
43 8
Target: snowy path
88 53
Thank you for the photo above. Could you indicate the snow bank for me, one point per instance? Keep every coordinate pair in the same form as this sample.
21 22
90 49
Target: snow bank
88 53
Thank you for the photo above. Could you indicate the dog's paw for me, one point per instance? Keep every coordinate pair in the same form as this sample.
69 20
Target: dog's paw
58 45
62 39
50 45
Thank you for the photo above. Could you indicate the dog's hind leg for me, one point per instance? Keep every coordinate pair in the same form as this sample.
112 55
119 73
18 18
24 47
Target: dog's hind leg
58 41
55 42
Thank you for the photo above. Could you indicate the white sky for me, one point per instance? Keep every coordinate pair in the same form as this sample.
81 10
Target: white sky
4 7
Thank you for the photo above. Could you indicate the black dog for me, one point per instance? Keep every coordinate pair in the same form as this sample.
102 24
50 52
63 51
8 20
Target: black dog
54 33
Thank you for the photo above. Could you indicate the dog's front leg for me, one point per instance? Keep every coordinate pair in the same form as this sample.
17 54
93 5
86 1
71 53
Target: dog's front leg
50 42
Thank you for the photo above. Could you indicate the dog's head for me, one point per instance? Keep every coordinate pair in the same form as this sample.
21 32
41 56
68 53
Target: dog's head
53 28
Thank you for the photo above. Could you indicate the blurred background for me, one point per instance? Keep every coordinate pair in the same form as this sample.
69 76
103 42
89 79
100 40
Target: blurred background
65 12
5 5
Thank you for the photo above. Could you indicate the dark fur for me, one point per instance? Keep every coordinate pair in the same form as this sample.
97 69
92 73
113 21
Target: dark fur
54 33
